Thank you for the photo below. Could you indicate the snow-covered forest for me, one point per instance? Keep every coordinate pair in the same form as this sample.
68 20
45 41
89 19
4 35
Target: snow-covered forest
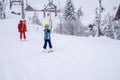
102 25
85 35
71 18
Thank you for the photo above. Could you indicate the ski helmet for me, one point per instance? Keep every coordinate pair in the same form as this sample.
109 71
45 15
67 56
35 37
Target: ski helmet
46 25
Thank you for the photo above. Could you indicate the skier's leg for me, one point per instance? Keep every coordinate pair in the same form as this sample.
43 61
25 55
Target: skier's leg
50 45
21 35
45 44
24 35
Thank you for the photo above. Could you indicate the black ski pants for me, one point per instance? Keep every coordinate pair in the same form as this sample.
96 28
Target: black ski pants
45 44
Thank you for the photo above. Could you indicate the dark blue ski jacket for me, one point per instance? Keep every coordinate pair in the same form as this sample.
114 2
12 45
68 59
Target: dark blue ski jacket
47 34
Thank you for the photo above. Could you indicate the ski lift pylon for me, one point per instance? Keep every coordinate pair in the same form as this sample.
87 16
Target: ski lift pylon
50 8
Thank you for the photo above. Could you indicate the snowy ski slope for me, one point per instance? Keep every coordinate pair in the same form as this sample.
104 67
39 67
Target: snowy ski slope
74 58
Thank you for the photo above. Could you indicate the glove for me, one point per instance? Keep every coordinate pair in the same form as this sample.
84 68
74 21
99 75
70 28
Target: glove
48 31
25 30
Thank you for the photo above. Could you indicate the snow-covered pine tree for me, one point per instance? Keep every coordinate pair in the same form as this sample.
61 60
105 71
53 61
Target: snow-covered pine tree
69 18
80 30
71 21
69 11
111 27
2 10
80 13
108 24
117 29
98 20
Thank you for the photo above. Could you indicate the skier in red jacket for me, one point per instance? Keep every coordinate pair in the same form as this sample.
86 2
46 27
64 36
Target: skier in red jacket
22 28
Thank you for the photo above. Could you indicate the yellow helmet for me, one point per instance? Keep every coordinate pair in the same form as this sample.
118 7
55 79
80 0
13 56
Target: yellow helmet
46 25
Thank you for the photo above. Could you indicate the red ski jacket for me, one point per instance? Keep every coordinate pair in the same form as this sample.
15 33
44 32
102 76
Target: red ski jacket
22 27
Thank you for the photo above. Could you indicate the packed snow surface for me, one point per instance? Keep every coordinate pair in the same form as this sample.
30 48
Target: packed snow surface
74 58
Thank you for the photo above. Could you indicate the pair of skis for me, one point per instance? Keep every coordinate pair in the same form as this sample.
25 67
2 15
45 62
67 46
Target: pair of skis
23 40
47 51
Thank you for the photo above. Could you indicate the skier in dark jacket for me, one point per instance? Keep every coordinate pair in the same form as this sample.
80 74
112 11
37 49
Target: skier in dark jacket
47 38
